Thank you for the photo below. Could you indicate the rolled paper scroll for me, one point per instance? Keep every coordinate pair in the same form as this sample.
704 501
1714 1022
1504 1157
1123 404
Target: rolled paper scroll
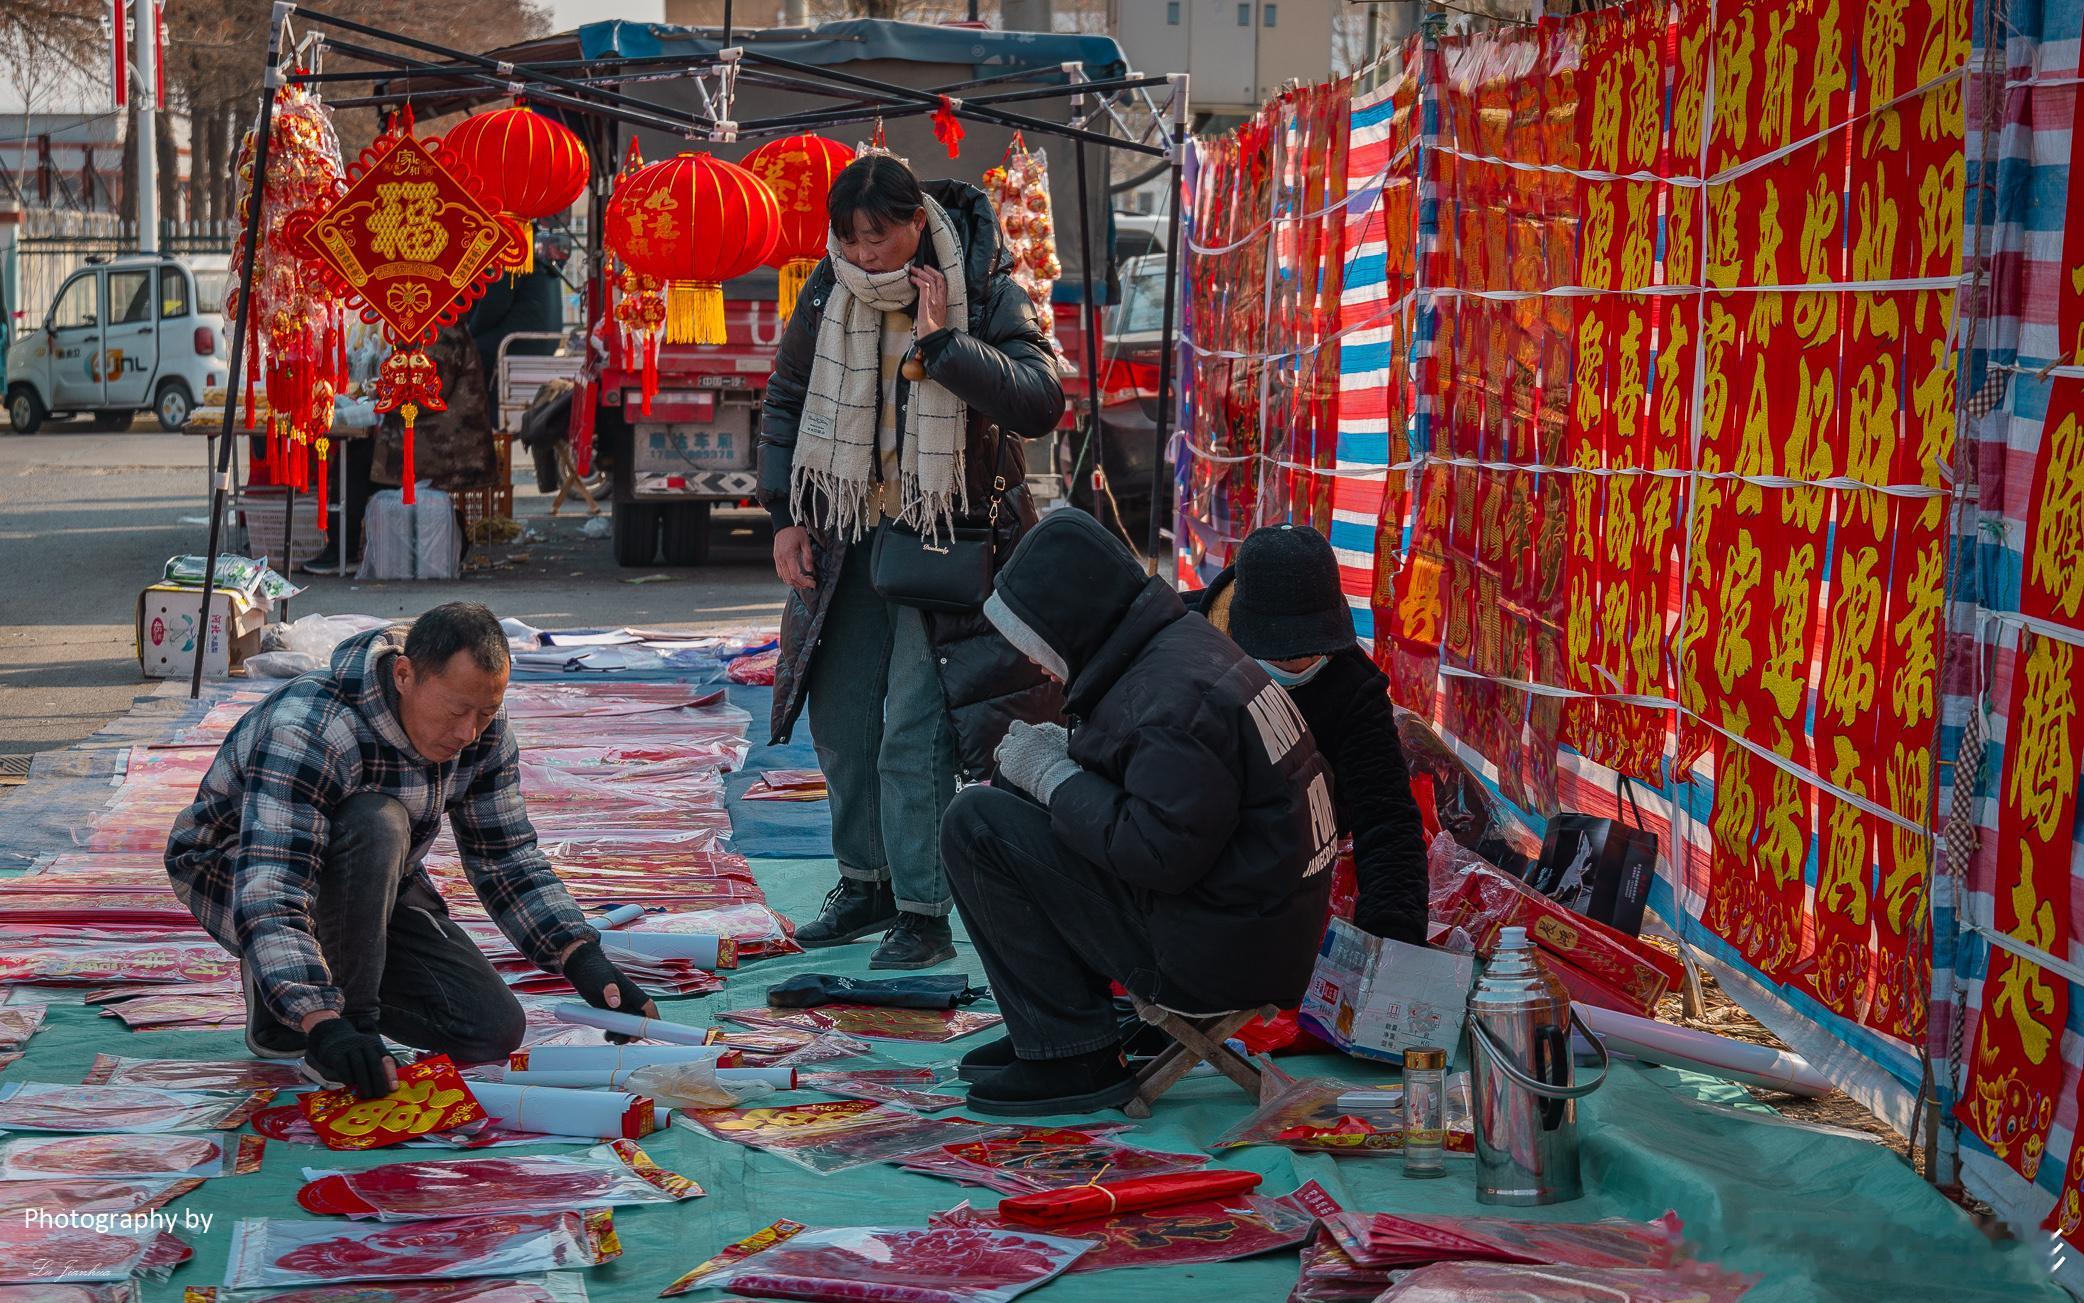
630 1024
563 1111
565 1058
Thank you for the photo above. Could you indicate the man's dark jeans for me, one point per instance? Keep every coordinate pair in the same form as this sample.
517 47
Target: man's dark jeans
405 968
1051 927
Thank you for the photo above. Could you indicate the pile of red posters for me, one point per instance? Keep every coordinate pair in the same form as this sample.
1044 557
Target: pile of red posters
18 1022
1390 1240
34 1106
268 1253
1328 1275
88 1195
1210 1230
910 1088
431 1097
1453 1282
39 1158
757 930
873 1022
203 1009
834 1137
876 1264
67 964
609 1175
1047 1158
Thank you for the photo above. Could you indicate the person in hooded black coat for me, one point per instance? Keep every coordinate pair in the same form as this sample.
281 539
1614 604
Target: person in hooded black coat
903 702
1177 839
1282 604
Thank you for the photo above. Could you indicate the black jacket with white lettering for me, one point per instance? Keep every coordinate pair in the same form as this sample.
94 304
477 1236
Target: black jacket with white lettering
1201 787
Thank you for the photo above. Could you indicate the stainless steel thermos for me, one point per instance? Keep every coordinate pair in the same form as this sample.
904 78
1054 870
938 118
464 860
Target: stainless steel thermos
1521 1079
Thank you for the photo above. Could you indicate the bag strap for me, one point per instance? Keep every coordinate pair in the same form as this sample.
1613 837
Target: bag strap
1625 790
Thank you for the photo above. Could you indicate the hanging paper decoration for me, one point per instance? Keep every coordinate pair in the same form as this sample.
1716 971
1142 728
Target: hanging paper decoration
694 222
528 165
947 128
294 319
413 242
1019 192
799 170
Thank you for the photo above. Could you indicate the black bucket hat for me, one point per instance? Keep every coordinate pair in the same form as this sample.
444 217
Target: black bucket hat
1287 602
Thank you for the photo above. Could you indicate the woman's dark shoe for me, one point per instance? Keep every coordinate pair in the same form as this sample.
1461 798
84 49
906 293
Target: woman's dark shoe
854 909
1083 1083
915 941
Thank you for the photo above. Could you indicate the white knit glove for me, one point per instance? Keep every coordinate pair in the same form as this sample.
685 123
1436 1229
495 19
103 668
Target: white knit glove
1036 758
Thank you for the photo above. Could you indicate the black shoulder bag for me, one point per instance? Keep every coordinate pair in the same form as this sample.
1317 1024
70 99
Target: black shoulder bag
950 574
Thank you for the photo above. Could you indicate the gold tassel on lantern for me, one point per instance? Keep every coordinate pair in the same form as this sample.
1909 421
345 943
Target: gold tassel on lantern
694 312
527 266
794 273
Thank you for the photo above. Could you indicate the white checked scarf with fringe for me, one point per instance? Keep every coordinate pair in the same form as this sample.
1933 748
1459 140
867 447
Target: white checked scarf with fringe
836 439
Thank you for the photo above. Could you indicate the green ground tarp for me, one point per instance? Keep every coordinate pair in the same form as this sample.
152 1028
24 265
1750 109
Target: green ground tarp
1818 1216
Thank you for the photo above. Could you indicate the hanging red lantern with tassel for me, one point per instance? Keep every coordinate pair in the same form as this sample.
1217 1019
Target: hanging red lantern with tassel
412 238
799 170
527 166
693 221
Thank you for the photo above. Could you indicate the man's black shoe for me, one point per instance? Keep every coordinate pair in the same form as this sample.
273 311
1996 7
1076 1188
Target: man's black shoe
854 909
1084 1083
917 941
987 1061
265 1037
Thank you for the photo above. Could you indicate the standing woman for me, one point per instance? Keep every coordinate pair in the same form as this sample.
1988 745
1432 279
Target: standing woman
911 370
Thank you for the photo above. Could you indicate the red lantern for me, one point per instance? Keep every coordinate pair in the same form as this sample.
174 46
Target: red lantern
694 222
527 165
799 169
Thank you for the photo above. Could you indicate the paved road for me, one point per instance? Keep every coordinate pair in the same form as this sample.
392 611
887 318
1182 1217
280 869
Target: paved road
88 520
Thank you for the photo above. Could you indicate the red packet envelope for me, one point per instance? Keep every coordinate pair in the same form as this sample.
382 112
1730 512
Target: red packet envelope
431 1097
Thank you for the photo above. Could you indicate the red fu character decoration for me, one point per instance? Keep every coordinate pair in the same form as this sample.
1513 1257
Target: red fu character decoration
694 222
526 164
799 170
414 243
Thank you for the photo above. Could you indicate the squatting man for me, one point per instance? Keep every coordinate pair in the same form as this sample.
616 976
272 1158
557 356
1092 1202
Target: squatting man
303 855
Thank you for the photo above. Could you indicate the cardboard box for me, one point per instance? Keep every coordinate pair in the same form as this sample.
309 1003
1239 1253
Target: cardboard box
1374 998
166 631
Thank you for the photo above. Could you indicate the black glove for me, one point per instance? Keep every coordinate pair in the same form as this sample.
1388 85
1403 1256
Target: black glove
339 1051
1395 925
593 975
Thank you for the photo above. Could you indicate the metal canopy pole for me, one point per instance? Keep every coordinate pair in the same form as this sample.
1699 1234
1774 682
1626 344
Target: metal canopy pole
1095 441
271 80
1170 345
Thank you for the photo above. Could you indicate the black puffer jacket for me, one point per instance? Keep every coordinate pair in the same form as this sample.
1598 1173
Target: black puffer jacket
1004 371
1202 788
1347 708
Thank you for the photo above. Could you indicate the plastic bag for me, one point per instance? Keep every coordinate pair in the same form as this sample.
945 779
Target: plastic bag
875 1264
695 1085
34 1252
1329 1276
266 1253
558 1287
123 1291
1453 1282
1390 1240
605 1176
421 541
1211 1230
38 1158
196 1074
280 665
834 1137
135 1110
1046 1158
910 1088
1329 1116
317 635
87 1195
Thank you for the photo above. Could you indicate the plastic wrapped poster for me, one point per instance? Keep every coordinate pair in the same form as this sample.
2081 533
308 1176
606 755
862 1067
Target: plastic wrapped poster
1453 1282
1098 1199
873 1264
905 1087
196 1074
267 1253
136 1110
778 1047
834 1137
431 1098
39 1158
1323 1115
558 1287
872 1022
553 1110
606 1176
698 948
35 1252
94 965
1209 1230
1389 1240
18 1023
704 1085
1328 1275
1045 1158
123 1291
88 1195
757 931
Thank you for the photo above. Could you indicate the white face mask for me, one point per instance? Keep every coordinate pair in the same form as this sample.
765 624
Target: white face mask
1294 678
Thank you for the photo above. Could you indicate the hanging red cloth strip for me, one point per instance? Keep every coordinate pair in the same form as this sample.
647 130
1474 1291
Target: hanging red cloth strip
1086 1202
946 128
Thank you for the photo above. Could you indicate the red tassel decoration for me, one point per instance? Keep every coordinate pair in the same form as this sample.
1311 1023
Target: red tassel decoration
251 363
323 525
405 474
582 427
650 371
